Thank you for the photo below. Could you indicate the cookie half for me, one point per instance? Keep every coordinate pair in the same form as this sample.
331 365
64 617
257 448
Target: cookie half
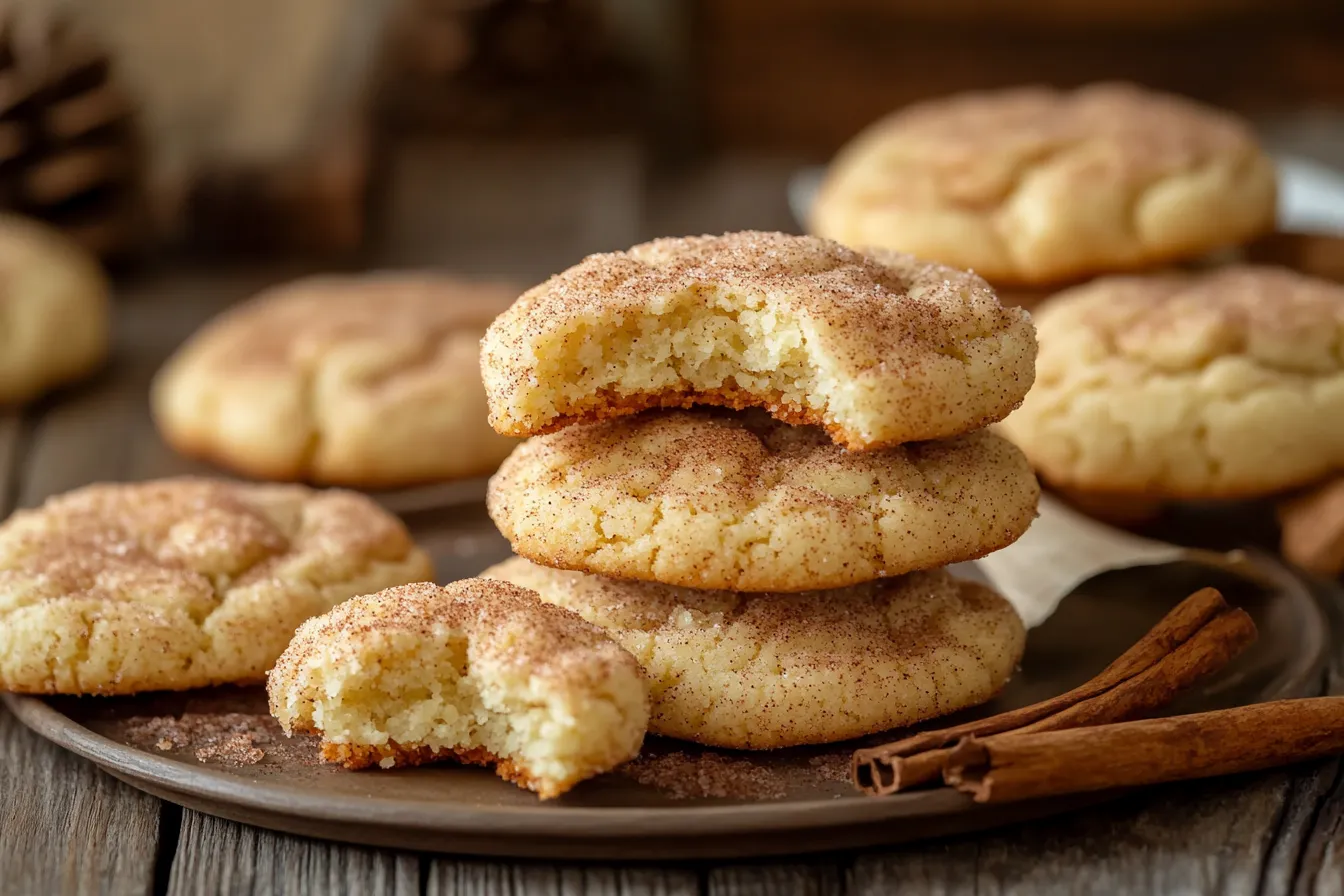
1035 186
742 502
762 671
877 349
480 671
181 583
370 381
1226 384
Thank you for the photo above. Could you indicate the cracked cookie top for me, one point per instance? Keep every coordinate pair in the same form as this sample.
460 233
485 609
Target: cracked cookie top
1228 383
761 671
716 499
1032 185
181 583
877 348
343 380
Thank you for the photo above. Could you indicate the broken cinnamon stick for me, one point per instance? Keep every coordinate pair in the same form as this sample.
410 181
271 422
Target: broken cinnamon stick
1019 766
1197 637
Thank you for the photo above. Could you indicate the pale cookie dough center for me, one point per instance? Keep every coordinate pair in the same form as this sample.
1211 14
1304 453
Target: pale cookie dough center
705 338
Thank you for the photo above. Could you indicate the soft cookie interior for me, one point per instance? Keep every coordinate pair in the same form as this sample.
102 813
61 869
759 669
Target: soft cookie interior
421 699
706 345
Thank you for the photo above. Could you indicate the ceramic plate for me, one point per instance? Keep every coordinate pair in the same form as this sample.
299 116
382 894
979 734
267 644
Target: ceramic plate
676 801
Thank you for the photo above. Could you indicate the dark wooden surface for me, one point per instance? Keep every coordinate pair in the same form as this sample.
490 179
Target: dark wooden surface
67 828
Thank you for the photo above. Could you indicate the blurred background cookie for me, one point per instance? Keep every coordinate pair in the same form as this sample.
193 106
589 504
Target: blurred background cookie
1225 384
181 583
368 381
54 310
1033 185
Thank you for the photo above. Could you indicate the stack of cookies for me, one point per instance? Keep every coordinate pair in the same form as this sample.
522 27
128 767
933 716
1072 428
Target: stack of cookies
752 455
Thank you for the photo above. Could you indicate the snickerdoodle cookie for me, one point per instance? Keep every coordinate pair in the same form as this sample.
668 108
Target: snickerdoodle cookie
1216 385
54 310
364 381
878 349
1034 185
181 583
776 670
742 502
480 671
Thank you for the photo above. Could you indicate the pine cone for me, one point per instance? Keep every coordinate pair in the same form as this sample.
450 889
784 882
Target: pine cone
69 150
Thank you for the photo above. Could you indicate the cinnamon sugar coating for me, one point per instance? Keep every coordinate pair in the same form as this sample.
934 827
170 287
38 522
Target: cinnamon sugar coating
742 502
480 671
1222 384
181 583
1033 186
877 349
367 381
761 671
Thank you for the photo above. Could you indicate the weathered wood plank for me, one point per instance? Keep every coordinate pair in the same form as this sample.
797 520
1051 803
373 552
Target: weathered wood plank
469 878
1205 837
217 856
822 878
66 827
1319 870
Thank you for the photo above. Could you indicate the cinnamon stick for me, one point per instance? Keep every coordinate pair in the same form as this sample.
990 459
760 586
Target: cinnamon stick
1152 671
1207 651
1019 766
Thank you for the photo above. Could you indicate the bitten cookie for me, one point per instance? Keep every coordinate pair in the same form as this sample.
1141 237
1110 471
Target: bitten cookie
741 502
54 310
877 349
776 670
1036 186
1226 384
181 583
481 671
364 381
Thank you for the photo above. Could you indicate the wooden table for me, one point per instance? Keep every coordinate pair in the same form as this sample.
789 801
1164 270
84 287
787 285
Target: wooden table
66 827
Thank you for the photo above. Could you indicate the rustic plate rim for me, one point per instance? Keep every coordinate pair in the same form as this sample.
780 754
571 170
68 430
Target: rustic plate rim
284 806
607 821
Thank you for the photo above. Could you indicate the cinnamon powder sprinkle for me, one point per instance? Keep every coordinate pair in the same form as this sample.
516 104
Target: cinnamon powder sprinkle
684 775
232 738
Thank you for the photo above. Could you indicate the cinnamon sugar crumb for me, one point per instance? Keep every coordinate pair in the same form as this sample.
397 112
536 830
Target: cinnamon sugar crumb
237 749
690 774
684 776
229 738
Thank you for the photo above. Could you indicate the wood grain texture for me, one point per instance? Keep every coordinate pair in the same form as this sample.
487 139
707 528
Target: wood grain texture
820 878
467 878
1216 837
66 827
217 856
